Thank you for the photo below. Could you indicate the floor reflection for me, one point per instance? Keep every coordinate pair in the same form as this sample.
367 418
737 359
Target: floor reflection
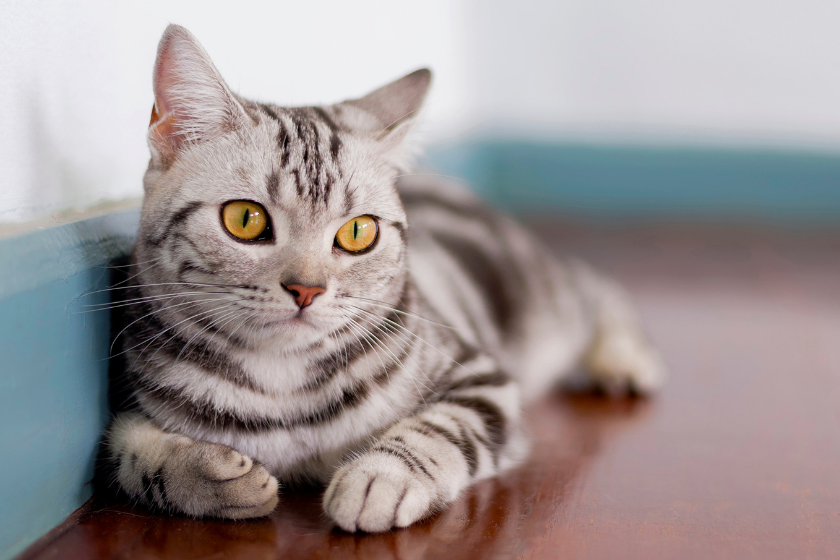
500 517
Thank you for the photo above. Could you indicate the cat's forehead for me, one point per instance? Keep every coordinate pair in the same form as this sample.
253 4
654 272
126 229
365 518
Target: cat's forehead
307 161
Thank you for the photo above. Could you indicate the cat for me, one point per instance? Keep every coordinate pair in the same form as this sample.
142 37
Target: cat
302 308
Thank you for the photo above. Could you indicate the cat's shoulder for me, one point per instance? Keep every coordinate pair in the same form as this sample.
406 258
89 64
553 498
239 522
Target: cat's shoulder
430 191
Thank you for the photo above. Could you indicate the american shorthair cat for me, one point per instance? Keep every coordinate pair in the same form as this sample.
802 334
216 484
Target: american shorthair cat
302 308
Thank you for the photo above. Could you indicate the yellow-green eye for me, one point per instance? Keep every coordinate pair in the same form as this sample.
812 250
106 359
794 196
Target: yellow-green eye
244 219
358 234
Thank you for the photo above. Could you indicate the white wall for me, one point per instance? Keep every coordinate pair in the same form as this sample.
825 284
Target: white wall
758 71
75 78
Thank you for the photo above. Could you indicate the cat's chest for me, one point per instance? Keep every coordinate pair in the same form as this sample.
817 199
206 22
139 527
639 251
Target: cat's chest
277 375
289 414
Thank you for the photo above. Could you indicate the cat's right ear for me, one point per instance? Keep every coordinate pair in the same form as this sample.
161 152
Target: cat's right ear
192 101
389 113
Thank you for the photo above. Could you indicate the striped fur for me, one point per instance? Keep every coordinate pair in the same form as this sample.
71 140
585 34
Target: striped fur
401 384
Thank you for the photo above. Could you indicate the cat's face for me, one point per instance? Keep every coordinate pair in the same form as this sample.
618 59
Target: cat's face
276 223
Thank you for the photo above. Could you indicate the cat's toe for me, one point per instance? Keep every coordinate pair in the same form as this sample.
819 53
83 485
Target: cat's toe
220 462
253 494
211 480
376 495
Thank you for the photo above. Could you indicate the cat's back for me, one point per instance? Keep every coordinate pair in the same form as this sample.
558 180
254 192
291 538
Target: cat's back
488 277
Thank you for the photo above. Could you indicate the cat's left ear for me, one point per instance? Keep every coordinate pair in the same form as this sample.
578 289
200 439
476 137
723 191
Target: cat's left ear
389 113
192 101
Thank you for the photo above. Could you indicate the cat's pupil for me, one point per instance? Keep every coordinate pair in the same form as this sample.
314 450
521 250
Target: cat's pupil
245 217
355 230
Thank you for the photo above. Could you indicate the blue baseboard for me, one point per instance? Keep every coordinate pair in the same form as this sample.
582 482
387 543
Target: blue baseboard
53 377
641 183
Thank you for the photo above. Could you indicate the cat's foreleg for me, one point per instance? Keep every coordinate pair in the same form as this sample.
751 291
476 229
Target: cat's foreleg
620 357
423 462
180 474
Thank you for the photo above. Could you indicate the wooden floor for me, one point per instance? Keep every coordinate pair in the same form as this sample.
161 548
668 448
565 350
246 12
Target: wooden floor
739 456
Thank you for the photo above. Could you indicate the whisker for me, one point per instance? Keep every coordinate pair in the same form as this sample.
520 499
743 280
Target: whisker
384 305
212 324
164 284
169 328
154 264
218 309
409 337
190 303
129 265
146 299
441 352
242 322
397 361
367 335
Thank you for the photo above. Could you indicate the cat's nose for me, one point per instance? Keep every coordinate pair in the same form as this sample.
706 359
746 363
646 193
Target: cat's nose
303 294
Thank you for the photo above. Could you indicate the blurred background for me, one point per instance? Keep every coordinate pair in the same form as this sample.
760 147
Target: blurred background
608 109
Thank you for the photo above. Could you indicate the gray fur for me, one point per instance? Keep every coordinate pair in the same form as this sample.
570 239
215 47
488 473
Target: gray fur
403 382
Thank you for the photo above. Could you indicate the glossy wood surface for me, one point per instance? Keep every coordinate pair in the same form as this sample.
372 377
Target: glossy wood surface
738 457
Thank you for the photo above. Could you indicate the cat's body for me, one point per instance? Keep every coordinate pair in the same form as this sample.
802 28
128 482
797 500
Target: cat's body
394 373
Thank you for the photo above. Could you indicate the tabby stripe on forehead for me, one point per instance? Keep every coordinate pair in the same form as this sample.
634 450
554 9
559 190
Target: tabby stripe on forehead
282 135
283 142
335 141
269 111
298 185
272 184
317 189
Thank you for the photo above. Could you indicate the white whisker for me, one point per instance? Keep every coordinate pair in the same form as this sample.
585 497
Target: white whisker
161 310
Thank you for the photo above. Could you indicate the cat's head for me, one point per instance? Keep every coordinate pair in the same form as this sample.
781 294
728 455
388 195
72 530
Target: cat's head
266 217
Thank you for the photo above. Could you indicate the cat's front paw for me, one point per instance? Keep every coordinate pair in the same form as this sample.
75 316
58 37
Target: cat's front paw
376 492
210 480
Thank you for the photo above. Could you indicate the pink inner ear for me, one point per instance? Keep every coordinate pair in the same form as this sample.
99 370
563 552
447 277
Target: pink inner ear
163 131
163 125
192 103
165 75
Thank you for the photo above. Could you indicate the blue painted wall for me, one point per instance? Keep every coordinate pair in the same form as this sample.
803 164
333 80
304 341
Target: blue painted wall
53 370
638 183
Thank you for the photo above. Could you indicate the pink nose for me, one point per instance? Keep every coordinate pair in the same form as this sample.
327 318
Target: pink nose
304 294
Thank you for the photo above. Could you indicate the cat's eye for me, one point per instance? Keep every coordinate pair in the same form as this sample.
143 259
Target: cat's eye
358 234
246 220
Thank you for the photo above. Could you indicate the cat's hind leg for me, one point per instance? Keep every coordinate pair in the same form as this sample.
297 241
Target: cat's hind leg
180 474
620 357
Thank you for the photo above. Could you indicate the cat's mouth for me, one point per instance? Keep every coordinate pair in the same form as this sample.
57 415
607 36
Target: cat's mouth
297 319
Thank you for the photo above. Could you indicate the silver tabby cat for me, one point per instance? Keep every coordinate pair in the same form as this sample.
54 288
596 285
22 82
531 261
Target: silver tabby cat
303 309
